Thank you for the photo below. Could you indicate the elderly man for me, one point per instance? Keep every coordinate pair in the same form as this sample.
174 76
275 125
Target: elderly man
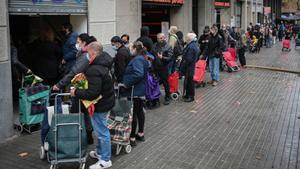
164 54
189 58
100 83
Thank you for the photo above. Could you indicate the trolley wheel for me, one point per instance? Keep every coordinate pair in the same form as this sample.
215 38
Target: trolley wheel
82 166
174 96
20 128
42 153
203 84
128 149
282 49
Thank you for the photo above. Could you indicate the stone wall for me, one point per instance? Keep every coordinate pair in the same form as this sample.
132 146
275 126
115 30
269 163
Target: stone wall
102 19
182 17
6 108
129 18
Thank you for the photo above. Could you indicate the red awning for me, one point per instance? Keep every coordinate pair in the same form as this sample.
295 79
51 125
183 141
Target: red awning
166 1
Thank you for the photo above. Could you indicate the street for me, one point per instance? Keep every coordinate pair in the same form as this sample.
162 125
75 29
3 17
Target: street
249 120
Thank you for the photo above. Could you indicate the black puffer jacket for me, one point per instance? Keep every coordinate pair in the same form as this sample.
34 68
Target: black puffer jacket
215 46
121 60
100 83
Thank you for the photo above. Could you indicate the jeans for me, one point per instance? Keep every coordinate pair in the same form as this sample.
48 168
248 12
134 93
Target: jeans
214 65
138 117
99 121
268 42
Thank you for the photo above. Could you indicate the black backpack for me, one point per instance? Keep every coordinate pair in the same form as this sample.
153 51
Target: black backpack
178 48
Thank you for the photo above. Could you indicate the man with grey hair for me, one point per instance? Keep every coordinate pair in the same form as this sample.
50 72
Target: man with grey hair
190 56
162 63
99 84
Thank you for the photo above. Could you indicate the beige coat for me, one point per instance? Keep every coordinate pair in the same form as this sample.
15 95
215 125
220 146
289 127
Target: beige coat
172 40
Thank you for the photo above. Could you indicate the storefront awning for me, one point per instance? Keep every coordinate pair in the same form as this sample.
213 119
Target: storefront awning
164 2
47 7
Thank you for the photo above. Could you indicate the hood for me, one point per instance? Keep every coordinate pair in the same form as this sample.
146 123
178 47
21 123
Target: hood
179 35
145 31
104 59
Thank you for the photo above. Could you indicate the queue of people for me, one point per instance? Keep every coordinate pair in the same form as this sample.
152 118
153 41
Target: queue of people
131 66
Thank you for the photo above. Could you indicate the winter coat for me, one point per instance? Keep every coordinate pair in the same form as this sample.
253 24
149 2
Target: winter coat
203 42
161 65
215 46
189 58
69 49
82 63
224 37
99 83
121 60
172 40
136 75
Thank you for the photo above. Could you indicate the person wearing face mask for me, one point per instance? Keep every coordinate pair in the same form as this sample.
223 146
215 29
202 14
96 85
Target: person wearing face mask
100 83
136 75
69 48
126 39
162 63
122 58
81 64
214 52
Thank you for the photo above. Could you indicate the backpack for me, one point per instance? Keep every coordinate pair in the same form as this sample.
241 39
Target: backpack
178 48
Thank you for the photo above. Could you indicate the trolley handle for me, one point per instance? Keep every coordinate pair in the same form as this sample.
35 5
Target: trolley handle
120 85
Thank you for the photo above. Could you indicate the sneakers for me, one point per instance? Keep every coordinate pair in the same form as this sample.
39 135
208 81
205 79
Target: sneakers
167 101
140 138
101 164
94 154
133 143
214 83
210 82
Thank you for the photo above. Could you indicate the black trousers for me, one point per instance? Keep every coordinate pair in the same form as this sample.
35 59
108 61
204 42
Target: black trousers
164 80
189 86
138 116
242 58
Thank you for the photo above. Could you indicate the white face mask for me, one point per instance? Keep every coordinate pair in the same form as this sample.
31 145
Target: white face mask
115 47
78 47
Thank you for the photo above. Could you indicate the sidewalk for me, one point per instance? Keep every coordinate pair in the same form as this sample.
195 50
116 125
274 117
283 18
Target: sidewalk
250 120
